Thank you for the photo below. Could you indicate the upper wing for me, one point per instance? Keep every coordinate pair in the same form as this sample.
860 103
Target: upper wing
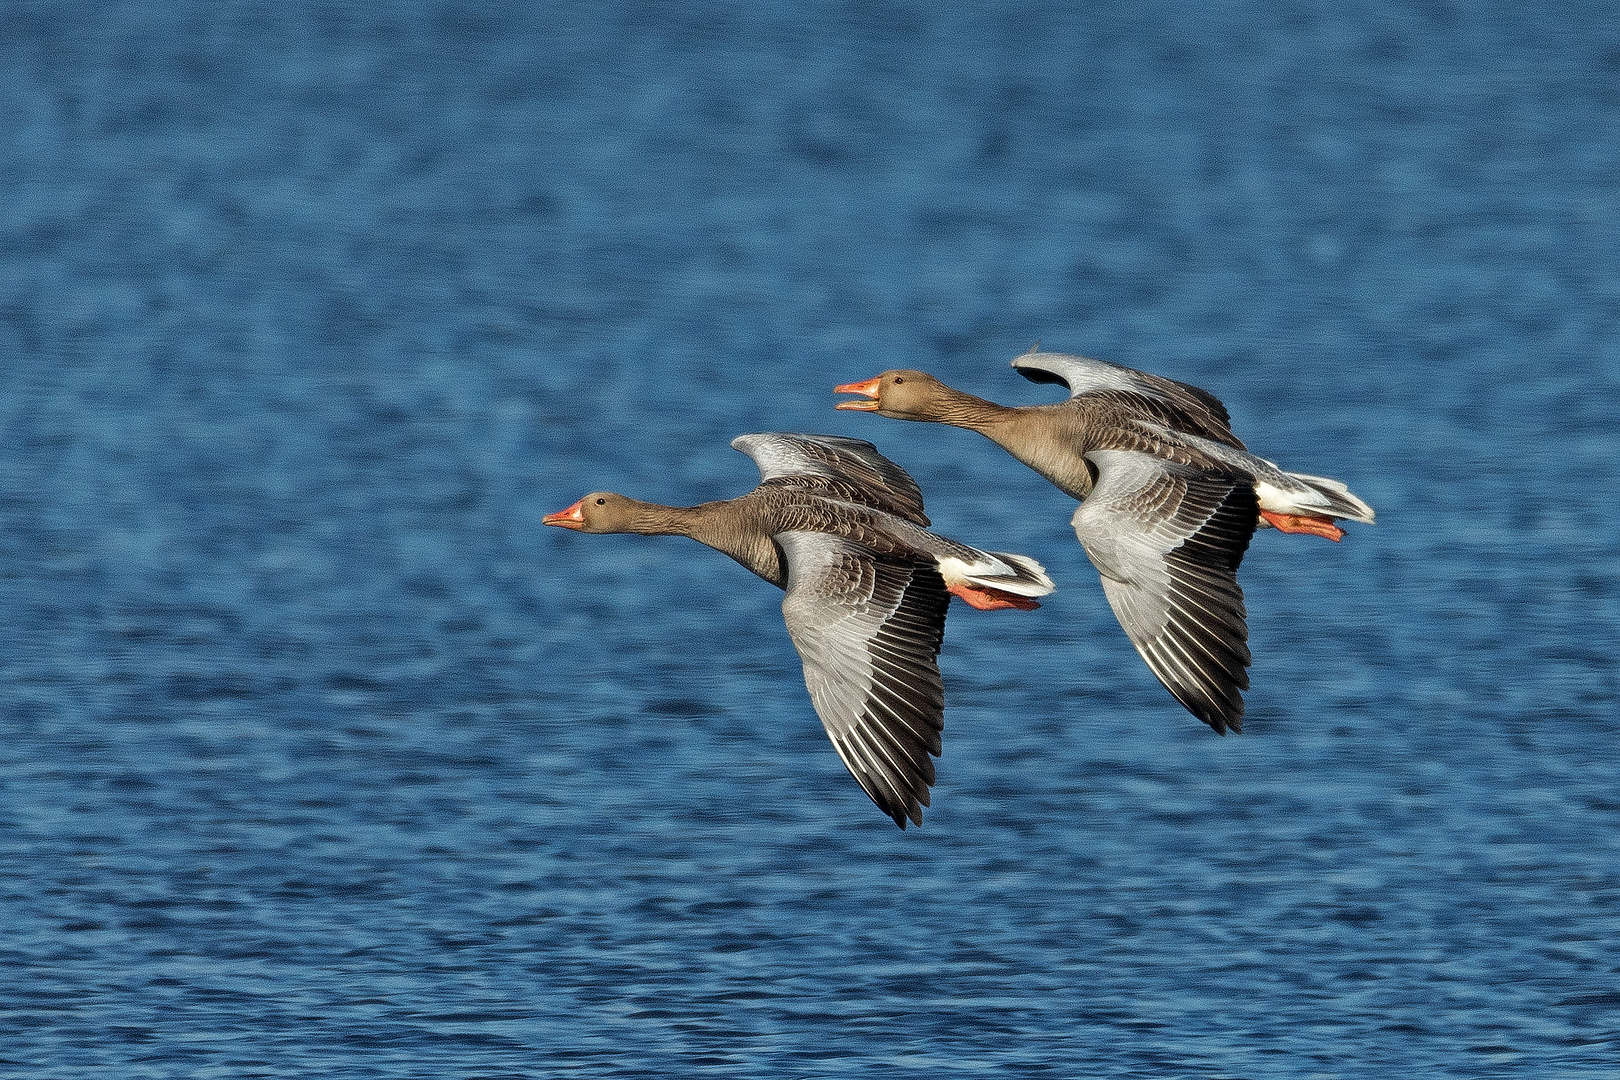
1179 404
1168 540
868 629
847 469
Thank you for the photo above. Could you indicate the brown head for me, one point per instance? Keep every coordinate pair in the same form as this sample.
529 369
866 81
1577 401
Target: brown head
903 395
598 512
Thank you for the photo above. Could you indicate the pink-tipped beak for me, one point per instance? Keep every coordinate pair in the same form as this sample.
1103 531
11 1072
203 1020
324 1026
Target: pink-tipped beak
868 389
571 518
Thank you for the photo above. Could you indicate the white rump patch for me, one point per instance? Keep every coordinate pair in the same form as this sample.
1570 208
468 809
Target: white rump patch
992 573
1304 502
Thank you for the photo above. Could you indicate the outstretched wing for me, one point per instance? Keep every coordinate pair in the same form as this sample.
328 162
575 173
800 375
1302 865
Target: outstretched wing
868 628
1178 404
840 468
1167 540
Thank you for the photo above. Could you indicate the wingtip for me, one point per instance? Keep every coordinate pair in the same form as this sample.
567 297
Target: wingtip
1033 350
911 810
1025 365
904 815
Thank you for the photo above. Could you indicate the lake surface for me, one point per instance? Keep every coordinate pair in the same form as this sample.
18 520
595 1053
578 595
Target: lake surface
319 756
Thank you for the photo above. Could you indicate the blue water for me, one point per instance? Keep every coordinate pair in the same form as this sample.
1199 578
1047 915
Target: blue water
320 757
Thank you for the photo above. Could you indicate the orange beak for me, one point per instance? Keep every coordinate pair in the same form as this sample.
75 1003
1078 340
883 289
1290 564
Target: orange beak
571 518
869 388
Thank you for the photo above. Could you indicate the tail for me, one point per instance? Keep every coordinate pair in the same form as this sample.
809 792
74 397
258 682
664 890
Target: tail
1027 579
997 571
1313 496
1341 502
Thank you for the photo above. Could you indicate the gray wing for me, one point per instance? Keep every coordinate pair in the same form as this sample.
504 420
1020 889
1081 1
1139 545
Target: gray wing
848 469
868 629
1181 404
1167 540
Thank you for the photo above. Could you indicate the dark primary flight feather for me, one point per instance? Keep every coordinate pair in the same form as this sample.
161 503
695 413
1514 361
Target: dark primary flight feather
1168 541
868 630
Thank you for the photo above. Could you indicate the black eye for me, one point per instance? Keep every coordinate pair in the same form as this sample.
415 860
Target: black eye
897 381
601 502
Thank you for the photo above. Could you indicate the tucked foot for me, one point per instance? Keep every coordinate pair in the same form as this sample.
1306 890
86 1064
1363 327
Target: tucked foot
1302 523
987 599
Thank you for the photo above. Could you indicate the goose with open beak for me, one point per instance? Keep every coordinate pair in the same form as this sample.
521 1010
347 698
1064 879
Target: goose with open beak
1169 501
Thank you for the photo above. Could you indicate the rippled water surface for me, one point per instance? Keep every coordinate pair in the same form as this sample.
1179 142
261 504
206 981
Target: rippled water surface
320 757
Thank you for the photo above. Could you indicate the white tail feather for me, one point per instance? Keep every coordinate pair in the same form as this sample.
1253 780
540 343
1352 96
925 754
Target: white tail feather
1313 496
1016 574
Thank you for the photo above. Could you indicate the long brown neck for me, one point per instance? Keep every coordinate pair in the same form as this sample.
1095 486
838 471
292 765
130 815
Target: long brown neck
1050 439
731 527
963 410
655 519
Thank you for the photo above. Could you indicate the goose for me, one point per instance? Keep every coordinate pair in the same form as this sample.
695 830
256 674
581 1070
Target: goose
841 529
1169 501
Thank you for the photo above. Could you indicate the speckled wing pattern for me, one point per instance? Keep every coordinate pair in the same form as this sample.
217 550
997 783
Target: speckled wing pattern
868 628
1180 405
835 467
1167 540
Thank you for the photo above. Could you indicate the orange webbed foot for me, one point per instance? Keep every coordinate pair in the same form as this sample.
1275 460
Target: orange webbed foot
987 599
1303 523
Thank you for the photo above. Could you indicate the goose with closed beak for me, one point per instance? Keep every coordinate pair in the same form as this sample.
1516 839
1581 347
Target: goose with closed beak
1169 501
841 529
